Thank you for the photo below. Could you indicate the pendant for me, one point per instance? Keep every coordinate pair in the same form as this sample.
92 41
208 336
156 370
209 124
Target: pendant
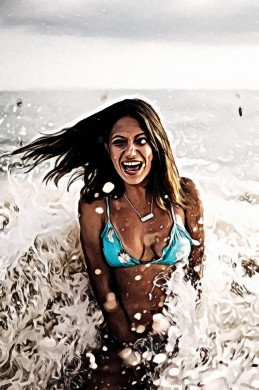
147 217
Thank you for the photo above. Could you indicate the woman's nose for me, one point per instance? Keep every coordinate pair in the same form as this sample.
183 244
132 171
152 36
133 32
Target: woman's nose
131 150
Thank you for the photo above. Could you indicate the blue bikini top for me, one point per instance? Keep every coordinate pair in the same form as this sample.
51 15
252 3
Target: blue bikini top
178 248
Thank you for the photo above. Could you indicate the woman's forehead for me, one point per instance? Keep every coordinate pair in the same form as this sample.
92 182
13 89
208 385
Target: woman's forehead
126 125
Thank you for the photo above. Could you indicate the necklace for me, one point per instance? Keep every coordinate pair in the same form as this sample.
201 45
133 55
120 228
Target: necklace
145 217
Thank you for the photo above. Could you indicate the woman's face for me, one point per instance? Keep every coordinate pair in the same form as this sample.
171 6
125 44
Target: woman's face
130 150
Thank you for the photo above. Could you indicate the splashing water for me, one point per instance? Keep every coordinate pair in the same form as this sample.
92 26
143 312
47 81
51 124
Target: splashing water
48 314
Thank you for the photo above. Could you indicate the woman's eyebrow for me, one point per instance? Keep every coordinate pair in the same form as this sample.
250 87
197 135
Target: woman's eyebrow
121 136
140 134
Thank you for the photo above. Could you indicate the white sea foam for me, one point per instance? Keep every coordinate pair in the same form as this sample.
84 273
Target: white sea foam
48 313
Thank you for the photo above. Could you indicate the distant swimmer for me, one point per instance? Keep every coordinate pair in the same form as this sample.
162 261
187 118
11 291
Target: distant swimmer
19 102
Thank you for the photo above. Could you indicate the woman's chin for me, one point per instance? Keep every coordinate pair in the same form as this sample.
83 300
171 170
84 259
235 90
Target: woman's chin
135 180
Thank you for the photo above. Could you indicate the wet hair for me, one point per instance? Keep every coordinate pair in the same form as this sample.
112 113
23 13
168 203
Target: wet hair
80 149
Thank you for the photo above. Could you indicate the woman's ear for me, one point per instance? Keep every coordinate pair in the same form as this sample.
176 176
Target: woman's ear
107 147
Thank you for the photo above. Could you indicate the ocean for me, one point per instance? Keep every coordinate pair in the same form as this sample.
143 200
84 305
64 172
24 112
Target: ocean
48 314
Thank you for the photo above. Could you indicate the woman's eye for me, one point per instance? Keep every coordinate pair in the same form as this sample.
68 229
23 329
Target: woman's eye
118 142
121 142
142 141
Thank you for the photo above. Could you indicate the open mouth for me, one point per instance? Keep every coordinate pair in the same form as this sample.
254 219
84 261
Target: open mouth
132 167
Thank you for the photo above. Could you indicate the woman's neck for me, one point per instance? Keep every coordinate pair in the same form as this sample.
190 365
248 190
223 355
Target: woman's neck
137 194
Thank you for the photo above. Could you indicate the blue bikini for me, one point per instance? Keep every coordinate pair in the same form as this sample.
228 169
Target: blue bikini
178 248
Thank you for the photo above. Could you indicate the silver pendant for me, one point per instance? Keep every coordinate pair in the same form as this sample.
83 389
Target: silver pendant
147 217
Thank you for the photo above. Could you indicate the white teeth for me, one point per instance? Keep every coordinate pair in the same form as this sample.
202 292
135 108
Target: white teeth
132 163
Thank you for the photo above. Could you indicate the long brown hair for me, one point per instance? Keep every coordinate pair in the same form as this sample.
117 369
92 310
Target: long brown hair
80 149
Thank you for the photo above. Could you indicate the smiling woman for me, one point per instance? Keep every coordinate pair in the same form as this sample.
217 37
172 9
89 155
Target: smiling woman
130 151
129 212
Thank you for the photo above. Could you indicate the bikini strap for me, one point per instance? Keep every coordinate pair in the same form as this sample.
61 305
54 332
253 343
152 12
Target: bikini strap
108 208
172 211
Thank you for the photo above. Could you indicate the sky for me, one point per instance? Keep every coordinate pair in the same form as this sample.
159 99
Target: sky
139 44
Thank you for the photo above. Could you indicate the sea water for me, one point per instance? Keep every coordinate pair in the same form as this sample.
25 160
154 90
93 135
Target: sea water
48 314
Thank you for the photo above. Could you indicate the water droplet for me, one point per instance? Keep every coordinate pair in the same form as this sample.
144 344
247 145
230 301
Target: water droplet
160 358
174 371
137 316
140 329
99 210
108 187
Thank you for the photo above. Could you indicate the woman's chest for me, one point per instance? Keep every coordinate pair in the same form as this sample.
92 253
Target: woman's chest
145 241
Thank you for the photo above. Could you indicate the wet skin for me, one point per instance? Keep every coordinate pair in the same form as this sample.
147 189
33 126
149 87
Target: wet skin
144 241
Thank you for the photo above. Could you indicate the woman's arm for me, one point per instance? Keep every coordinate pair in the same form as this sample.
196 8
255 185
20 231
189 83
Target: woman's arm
99 272
194 225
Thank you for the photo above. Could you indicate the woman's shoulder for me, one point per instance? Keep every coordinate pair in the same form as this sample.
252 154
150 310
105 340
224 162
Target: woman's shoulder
189 187
186 181
93 205
194 210
94 211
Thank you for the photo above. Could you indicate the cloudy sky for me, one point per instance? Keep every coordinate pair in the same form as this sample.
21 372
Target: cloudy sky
129 44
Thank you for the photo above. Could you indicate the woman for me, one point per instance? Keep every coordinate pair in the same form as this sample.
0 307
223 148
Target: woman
136 217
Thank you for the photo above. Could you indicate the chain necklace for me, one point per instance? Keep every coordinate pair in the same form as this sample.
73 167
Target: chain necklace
145 217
